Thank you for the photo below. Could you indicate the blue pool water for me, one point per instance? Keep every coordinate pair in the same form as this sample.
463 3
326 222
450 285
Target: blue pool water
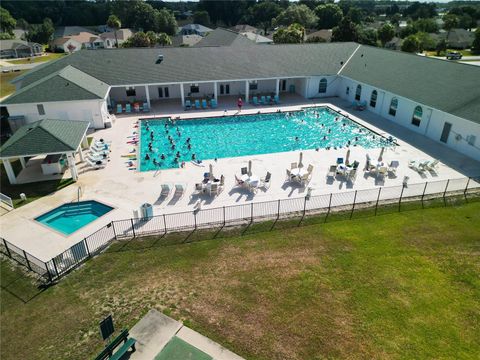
68 218
232 136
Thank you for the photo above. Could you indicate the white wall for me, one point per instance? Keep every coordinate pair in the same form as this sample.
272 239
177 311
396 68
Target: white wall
432 122
313 83
120 94
87 110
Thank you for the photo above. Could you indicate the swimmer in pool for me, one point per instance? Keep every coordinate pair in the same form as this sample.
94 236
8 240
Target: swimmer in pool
162 157
194 156
147 157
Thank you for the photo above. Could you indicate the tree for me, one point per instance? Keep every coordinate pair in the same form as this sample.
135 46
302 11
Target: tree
7 22
163 39
466 22
410 44
395 19
386 33
367 37
22 24
441 47
262 14
291 35
40 33
71 48
355 14
201 17
152 38
114 23
139 39
450 22
410 29
425 41
476 42
426 25
329 15
297 14
345 31
165 22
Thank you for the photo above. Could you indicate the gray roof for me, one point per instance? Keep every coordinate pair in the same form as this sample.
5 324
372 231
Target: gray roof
224 37
45 137
196 27
447 86
15 44
62 31
65 84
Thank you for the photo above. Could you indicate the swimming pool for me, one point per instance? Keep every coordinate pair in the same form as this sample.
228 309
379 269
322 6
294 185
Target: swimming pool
68 218
241 135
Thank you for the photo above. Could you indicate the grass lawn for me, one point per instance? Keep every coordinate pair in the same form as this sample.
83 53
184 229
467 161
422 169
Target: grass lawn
33 191
5 87
37 59
401 285
465 52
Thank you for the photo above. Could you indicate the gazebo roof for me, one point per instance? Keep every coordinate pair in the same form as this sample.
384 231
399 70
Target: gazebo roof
45 137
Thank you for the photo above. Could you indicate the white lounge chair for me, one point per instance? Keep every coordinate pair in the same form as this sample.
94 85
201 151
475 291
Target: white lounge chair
392 168
165 190
431 165
95 164
332 171
418 166
179 189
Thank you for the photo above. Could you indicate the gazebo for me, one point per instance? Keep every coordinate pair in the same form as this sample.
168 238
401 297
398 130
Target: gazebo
54 139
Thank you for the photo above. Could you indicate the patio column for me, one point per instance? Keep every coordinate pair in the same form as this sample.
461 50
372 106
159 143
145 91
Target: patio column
215 92
147 93
80 153
22 161
277 87
71 164
247 88
85 142
307 83
182 94
9 170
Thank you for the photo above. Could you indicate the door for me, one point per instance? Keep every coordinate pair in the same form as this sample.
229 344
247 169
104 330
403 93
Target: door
227 89
166 92
446 131
283 85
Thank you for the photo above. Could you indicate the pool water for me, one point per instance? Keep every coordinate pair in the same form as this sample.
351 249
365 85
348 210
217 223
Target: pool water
241 135
68 218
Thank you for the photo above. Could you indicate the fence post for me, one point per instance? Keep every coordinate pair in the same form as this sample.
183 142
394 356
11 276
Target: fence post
195 220
6 247
28 262
55 267
165 223
114 232
224 217
400 199
424 189
278 210
133 228
378 199
50 279
464 192
304 209
329 206
251 213
445 192
86 246
353 206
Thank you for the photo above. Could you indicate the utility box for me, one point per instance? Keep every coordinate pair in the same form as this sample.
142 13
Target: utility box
147 211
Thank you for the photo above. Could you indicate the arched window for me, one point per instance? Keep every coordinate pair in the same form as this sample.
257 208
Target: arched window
347 90
417 116
358 93
393 107
373 98
322 86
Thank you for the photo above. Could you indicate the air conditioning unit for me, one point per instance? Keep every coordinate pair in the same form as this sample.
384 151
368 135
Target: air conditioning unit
471 139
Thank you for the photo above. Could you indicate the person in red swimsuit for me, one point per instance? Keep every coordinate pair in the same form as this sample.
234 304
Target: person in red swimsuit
239 104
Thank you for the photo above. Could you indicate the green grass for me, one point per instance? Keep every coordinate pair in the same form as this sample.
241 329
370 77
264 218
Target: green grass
5 87
465 52
33 191
397 286
37 59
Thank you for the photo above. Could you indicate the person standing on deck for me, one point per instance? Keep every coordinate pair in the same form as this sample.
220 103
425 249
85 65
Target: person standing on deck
239 104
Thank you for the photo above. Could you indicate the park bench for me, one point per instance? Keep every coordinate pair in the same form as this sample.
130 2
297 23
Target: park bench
108 352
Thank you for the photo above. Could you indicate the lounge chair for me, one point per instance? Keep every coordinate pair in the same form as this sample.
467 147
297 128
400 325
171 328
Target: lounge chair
268 99
188 105
266 180
431 165
255 100
204 104
416 165
146 108
100 148
128 108
213 104
119 108
165 190
332 171
262 100
197 104
98 164
179 190
392 168
276 99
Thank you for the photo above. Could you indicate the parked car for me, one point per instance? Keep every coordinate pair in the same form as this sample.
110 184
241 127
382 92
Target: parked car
454 55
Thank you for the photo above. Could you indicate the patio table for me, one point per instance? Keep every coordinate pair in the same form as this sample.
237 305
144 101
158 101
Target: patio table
253 180
299 171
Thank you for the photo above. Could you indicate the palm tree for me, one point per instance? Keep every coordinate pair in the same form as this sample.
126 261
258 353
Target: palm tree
114 23
163 39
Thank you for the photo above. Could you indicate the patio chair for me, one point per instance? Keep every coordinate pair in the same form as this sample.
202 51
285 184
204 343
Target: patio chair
146 108
213 189
197 104
165 190
119 108
98 164
352 175
276 98
199 188
382 171
238 182
262 100
339 161
128 108
222 180
204 104
289 176
266 180
188 105
178 191
244 171
213 104
293 165
268 99
392 168
310 168
255 100
332 171
355 165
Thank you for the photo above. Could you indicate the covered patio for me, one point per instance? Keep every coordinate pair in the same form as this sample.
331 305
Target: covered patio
46 150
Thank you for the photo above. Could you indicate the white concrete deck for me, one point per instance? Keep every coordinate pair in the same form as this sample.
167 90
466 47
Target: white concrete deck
126 189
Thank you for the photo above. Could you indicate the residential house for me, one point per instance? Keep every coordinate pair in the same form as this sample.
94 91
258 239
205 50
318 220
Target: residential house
257 38
83 40
63 31
244 28
460 38
196 29
11 49
224 37
185 40
122 36
394 44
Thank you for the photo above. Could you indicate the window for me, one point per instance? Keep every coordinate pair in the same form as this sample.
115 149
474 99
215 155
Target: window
417 116
347 90
131 91
322 86
373 98
166 92
393 107
41 109
163 92
358 93
222 89
253 85
227 89
194 88
160 92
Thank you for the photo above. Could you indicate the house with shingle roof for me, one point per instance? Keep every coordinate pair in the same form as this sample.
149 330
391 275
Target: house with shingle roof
197 29
224 37
76 42
110 38
432 97
11 49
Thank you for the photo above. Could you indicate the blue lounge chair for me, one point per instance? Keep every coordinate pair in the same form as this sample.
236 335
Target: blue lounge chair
188 105
128 108
276 98
213 104
119 108
268 99
204 103
262 100
146 108
197 104
255 100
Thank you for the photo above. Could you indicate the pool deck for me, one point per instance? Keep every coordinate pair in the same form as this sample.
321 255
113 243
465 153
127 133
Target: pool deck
125 189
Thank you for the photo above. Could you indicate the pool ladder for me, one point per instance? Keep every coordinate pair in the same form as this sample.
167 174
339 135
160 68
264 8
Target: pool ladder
79 193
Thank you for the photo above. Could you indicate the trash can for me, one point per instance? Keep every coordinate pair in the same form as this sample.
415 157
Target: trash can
146 211
291 89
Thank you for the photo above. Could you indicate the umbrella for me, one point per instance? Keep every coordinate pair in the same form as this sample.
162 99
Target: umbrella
211 173
347 161
381 154
249 167
300 160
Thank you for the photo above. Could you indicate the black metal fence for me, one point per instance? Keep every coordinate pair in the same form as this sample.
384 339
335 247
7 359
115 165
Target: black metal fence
236 215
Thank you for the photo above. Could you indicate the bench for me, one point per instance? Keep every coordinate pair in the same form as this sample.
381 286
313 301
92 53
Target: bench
128 343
